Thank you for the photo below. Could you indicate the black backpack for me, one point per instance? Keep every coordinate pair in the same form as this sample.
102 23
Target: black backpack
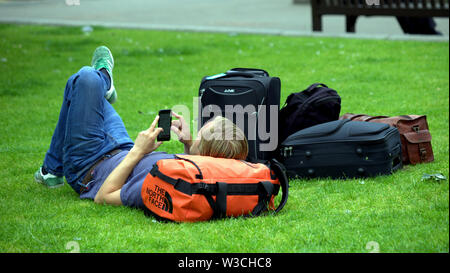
315 105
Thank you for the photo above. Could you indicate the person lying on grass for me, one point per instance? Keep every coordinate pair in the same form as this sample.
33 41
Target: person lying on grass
91 147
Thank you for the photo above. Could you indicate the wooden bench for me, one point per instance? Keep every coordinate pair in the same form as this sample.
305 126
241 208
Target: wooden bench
354 8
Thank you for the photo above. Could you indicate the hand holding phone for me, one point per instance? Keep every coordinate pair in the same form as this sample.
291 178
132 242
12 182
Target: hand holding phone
145 141
164 122
181 128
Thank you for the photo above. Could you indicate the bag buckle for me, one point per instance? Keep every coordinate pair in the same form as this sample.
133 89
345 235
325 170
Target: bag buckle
203 187
415 128
423 153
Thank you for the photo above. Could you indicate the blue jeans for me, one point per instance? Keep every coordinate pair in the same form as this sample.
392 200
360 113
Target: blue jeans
88 128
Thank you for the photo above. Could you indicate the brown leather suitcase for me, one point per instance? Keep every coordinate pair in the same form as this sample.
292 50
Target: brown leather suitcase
414 134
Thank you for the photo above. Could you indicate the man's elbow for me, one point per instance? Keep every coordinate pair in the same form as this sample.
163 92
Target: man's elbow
112 198
99 199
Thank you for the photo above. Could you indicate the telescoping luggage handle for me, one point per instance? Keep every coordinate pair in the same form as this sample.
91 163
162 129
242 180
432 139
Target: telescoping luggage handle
264 189
256 71
231 74
240 72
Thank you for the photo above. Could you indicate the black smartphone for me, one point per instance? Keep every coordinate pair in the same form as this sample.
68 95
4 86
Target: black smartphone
165 121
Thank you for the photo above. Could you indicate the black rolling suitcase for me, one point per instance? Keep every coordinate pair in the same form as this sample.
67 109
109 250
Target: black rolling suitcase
245 96
342 149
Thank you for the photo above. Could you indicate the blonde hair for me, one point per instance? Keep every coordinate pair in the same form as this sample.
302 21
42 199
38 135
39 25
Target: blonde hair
222 138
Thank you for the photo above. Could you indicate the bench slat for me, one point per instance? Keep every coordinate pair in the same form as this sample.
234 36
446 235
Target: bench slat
354 8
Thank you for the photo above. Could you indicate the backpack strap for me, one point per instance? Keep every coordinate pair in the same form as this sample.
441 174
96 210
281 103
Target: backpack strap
265 193
221 200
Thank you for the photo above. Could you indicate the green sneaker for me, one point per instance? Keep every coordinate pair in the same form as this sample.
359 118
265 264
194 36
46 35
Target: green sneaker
49 180
102 58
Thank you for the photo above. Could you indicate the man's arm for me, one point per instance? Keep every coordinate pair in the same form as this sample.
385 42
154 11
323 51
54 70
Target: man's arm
187 147
109 192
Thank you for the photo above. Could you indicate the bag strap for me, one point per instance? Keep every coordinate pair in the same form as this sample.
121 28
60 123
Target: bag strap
257 71
268 189
304 93
244 74
221 200
280 172
179 184
200 174
265 193
314 86
369 118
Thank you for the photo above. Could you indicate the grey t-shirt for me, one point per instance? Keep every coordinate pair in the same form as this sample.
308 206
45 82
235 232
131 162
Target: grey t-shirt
130 194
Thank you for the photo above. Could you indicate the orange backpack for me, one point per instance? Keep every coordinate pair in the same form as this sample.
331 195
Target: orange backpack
194 188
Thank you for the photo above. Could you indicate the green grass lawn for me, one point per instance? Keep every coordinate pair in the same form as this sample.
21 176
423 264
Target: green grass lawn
156 70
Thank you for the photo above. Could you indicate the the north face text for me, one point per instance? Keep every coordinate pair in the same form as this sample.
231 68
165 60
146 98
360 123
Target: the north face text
160 198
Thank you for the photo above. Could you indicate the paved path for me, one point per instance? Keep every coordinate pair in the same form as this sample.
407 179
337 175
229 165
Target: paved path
249 16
